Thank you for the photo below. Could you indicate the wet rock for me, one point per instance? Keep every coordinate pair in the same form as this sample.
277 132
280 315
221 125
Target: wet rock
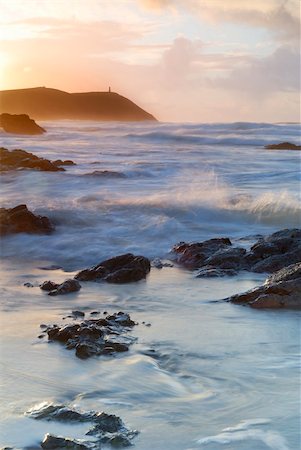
106 428
95 336
125 268
276 251
158 264
213 272
291 272
66 287
78 313
29 285
281 290
20 159
283 146
19 124
67 162
51 442
21 220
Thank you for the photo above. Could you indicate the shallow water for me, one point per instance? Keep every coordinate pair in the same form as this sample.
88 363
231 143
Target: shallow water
205 374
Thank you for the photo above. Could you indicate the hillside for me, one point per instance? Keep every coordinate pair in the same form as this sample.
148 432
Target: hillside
43 103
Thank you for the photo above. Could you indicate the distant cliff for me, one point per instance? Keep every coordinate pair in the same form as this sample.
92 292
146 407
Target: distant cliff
52 104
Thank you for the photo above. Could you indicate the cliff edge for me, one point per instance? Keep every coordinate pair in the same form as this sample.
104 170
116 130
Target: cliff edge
52 104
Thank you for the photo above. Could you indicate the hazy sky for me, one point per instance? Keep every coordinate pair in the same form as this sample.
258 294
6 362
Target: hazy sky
182 60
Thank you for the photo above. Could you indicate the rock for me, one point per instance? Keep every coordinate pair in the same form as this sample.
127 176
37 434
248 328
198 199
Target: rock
67 162
283 146
106 174
107 428
281 290
20 159
55 443
125 268
288 273
158 264
21 220
217 257
66 287
78 313
276 251
94 336
19 124
212 272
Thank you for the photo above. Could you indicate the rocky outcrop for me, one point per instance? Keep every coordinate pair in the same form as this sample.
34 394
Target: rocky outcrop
19 124
94 336
283 146
125 268
281 290
52 104
217 257
20 159
21 220
106 428
66 287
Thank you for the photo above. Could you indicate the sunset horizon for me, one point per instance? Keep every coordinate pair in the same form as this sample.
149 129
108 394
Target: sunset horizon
194 61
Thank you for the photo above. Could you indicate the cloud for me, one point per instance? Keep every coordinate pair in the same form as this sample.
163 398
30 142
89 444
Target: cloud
280 18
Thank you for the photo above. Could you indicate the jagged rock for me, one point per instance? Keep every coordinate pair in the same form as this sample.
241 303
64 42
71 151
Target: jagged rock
281 290
94 336
217 257
212 272
20 159
283 146
158 264
21 220
107 428
125 268
66 287
276 251
51 442
19 124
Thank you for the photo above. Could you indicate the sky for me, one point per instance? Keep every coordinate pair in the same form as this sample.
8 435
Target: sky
181 60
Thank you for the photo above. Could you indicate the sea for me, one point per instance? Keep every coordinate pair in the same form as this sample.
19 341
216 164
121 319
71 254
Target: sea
202 374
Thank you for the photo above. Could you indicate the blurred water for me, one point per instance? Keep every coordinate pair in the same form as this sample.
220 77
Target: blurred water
204 375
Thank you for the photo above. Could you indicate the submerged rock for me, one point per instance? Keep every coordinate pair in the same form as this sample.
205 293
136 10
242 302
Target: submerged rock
217 257
281 290
51 442
20 159
106 428
283 146
66 287
21 220
19 124
95 336
125 268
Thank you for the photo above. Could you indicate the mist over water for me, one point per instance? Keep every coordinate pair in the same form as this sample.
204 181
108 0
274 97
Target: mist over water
223 376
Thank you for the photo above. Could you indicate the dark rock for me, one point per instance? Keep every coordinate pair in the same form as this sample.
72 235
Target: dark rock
94 313
283 146
19 124
29 285
21 220
55 443
20 159
125 268
93 336
276 251
281 290
67 162
78 313
213 272
66 287
158 264
108 423
288 273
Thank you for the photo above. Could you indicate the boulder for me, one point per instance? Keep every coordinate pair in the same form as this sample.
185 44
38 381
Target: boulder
19 124
66 287
21 220
51 442
283 146
125 268
94 336
281 290
20 159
